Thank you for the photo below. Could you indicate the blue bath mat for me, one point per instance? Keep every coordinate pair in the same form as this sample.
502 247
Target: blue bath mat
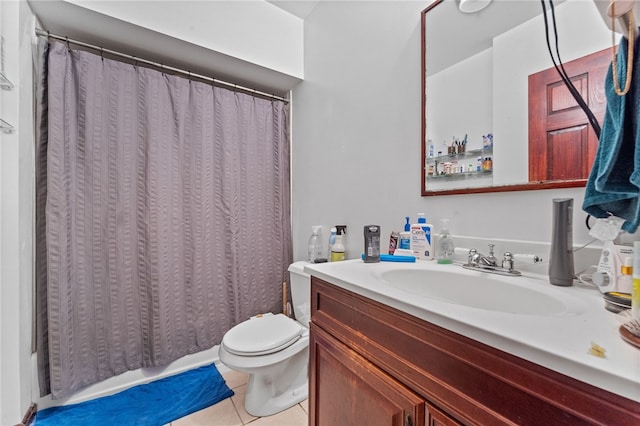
153 404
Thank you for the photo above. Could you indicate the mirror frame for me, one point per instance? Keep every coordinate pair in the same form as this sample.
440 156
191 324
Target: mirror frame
530 186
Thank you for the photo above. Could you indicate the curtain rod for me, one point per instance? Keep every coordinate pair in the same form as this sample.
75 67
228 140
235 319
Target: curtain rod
42 33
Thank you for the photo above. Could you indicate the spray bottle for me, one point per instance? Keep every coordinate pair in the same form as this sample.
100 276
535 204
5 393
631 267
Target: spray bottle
315 248
332 241
337 249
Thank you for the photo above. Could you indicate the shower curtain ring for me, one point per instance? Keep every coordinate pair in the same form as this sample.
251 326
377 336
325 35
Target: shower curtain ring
67 40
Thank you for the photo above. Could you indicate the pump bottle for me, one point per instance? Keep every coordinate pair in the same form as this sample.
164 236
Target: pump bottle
405 236
446 246
421 238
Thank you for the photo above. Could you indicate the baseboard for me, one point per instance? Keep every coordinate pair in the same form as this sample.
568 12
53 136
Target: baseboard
30 416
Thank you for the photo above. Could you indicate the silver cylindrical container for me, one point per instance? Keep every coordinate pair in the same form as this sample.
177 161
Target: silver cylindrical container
561 270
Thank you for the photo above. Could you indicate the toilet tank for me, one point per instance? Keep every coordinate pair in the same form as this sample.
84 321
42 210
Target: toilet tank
300 283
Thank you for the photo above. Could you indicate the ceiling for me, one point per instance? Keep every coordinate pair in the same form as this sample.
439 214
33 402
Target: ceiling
299 8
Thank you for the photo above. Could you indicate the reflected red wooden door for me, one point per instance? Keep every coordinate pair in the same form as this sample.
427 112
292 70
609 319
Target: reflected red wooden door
562 144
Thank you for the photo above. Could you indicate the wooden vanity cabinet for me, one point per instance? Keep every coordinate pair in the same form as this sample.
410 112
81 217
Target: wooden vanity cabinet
371 364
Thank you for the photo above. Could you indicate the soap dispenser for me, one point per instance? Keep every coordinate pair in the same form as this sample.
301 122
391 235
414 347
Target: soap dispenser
405 236
446 247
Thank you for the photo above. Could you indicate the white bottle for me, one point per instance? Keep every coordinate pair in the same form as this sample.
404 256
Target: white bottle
446 246
332 241
337 249
421 238
315 247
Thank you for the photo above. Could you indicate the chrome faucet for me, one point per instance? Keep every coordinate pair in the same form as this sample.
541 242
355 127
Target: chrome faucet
489 263
478 259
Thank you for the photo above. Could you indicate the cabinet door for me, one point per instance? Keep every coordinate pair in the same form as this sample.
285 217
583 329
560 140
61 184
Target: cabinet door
346 389
436 417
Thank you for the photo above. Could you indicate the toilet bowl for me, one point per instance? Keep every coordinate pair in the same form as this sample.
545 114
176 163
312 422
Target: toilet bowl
274 351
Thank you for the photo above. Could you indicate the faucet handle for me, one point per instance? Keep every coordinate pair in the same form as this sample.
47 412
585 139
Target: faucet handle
473 253
507 261
491 257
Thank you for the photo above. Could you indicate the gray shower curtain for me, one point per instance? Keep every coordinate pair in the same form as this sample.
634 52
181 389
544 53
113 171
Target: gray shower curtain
163 214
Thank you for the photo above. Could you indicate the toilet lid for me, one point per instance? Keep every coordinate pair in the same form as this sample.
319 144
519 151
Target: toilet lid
262 335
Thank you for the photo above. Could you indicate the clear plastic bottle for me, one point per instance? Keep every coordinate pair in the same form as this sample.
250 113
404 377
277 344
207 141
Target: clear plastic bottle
315 246
446 246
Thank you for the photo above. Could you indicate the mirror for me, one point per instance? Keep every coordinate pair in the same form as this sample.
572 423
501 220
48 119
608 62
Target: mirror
475 70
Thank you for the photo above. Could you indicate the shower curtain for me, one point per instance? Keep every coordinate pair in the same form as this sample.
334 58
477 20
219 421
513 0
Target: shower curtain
163 216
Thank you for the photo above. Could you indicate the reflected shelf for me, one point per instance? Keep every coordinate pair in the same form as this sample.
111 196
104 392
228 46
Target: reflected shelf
466 154
5 127
5 84
462 175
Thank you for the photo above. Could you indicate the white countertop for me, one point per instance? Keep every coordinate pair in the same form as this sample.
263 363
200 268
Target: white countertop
558 342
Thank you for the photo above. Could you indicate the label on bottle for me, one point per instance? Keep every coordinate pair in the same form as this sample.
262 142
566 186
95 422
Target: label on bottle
421 241
635 298
337 256
405 241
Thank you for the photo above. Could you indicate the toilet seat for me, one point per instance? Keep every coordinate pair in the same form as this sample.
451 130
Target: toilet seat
262 335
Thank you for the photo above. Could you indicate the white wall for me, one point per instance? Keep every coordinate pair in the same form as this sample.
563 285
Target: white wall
248 42
254 31
16 215
356 147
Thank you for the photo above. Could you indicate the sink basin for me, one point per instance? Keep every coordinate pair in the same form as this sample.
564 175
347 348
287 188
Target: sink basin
515 295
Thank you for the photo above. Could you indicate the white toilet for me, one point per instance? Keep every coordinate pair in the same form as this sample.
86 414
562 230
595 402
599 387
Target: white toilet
274 351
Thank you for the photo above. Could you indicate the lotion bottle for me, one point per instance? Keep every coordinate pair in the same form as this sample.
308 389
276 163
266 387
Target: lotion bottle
421 238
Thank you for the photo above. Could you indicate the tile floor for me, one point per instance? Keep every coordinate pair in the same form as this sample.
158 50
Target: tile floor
231 412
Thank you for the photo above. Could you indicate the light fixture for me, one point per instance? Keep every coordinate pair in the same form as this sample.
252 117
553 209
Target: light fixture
472 6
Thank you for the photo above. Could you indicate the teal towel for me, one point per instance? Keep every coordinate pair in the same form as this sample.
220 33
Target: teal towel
614 182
